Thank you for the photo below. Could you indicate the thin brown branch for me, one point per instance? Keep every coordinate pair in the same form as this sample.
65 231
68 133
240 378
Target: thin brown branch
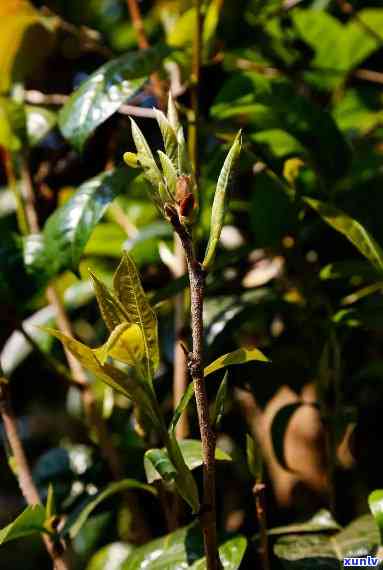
23 472
143 43
259 491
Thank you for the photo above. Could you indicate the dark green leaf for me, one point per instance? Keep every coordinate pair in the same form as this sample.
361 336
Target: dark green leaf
104 92
30 521
159 460
254 458
220 400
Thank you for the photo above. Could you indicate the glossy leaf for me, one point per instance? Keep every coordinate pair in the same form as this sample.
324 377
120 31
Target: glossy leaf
239 356
351 229
68 229
184 549
129 291
39 122
158 459
220 400
105 90
375 501
29 522
75 525
220 199
314 551
191 450
111 556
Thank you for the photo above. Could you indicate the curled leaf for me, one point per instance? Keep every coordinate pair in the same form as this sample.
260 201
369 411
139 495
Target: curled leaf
239 356
125 344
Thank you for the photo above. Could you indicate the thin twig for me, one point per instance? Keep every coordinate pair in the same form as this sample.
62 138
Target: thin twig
259 491
23 472
143 43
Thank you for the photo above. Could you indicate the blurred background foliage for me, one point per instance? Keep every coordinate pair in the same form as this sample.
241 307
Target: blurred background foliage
298 278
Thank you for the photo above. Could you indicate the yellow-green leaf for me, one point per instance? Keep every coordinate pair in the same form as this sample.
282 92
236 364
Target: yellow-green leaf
172 114
170 173
220 199
111 313
125 344
145 156
129 291
351 229
239 356
168 135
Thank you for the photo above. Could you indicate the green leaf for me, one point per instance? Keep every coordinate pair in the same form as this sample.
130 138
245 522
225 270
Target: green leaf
191 450
322 521
375 502
129 291
239 356
29 522
172 114
39 122
351 229
158 460
184 479
73 526
112 556
105 91
145 157
254 458
317 551
184 549
170 173
110 309
182 405
50 506
220 400
220 199
169 136
68 229
125 343
12 124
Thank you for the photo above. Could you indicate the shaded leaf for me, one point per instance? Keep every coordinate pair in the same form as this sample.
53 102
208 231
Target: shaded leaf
219 203
254 458
239 356
105 90
184 549
351 229
220 400
30 521
73 526
158 459
129 291
184 479
322 521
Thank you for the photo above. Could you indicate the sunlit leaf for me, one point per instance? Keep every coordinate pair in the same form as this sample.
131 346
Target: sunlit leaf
74 524
351 229
145 157
125 343
110 556
128 288
168 135
30 521
375 501
110 310
39 122
105 90
220 199
170 173
239 356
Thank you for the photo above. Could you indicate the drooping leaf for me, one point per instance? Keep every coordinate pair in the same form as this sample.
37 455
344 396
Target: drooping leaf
351 229
129 291
220 200
239 356
68 229
191 450
125 343
317 551
220 400
75 524
29 522
375 501
104 92
184 549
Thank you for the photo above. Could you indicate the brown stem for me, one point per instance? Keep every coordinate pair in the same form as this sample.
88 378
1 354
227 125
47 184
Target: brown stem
23 472
143 43
260 507
208 439
180 373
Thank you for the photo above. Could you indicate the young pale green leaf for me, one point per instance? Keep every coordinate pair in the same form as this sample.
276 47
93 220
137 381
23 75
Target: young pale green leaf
129 291
50 506
184 165
110 309
220 199
131 159
168 135
170 174
157 461
172 114
117 552
183 548
145 157
219 405
29 522
125 343
351 229
254 458
75 524
375 502
239 356
68 229
105 91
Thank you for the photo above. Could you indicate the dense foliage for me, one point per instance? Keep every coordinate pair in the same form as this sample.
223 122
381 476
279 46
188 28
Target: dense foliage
266 160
